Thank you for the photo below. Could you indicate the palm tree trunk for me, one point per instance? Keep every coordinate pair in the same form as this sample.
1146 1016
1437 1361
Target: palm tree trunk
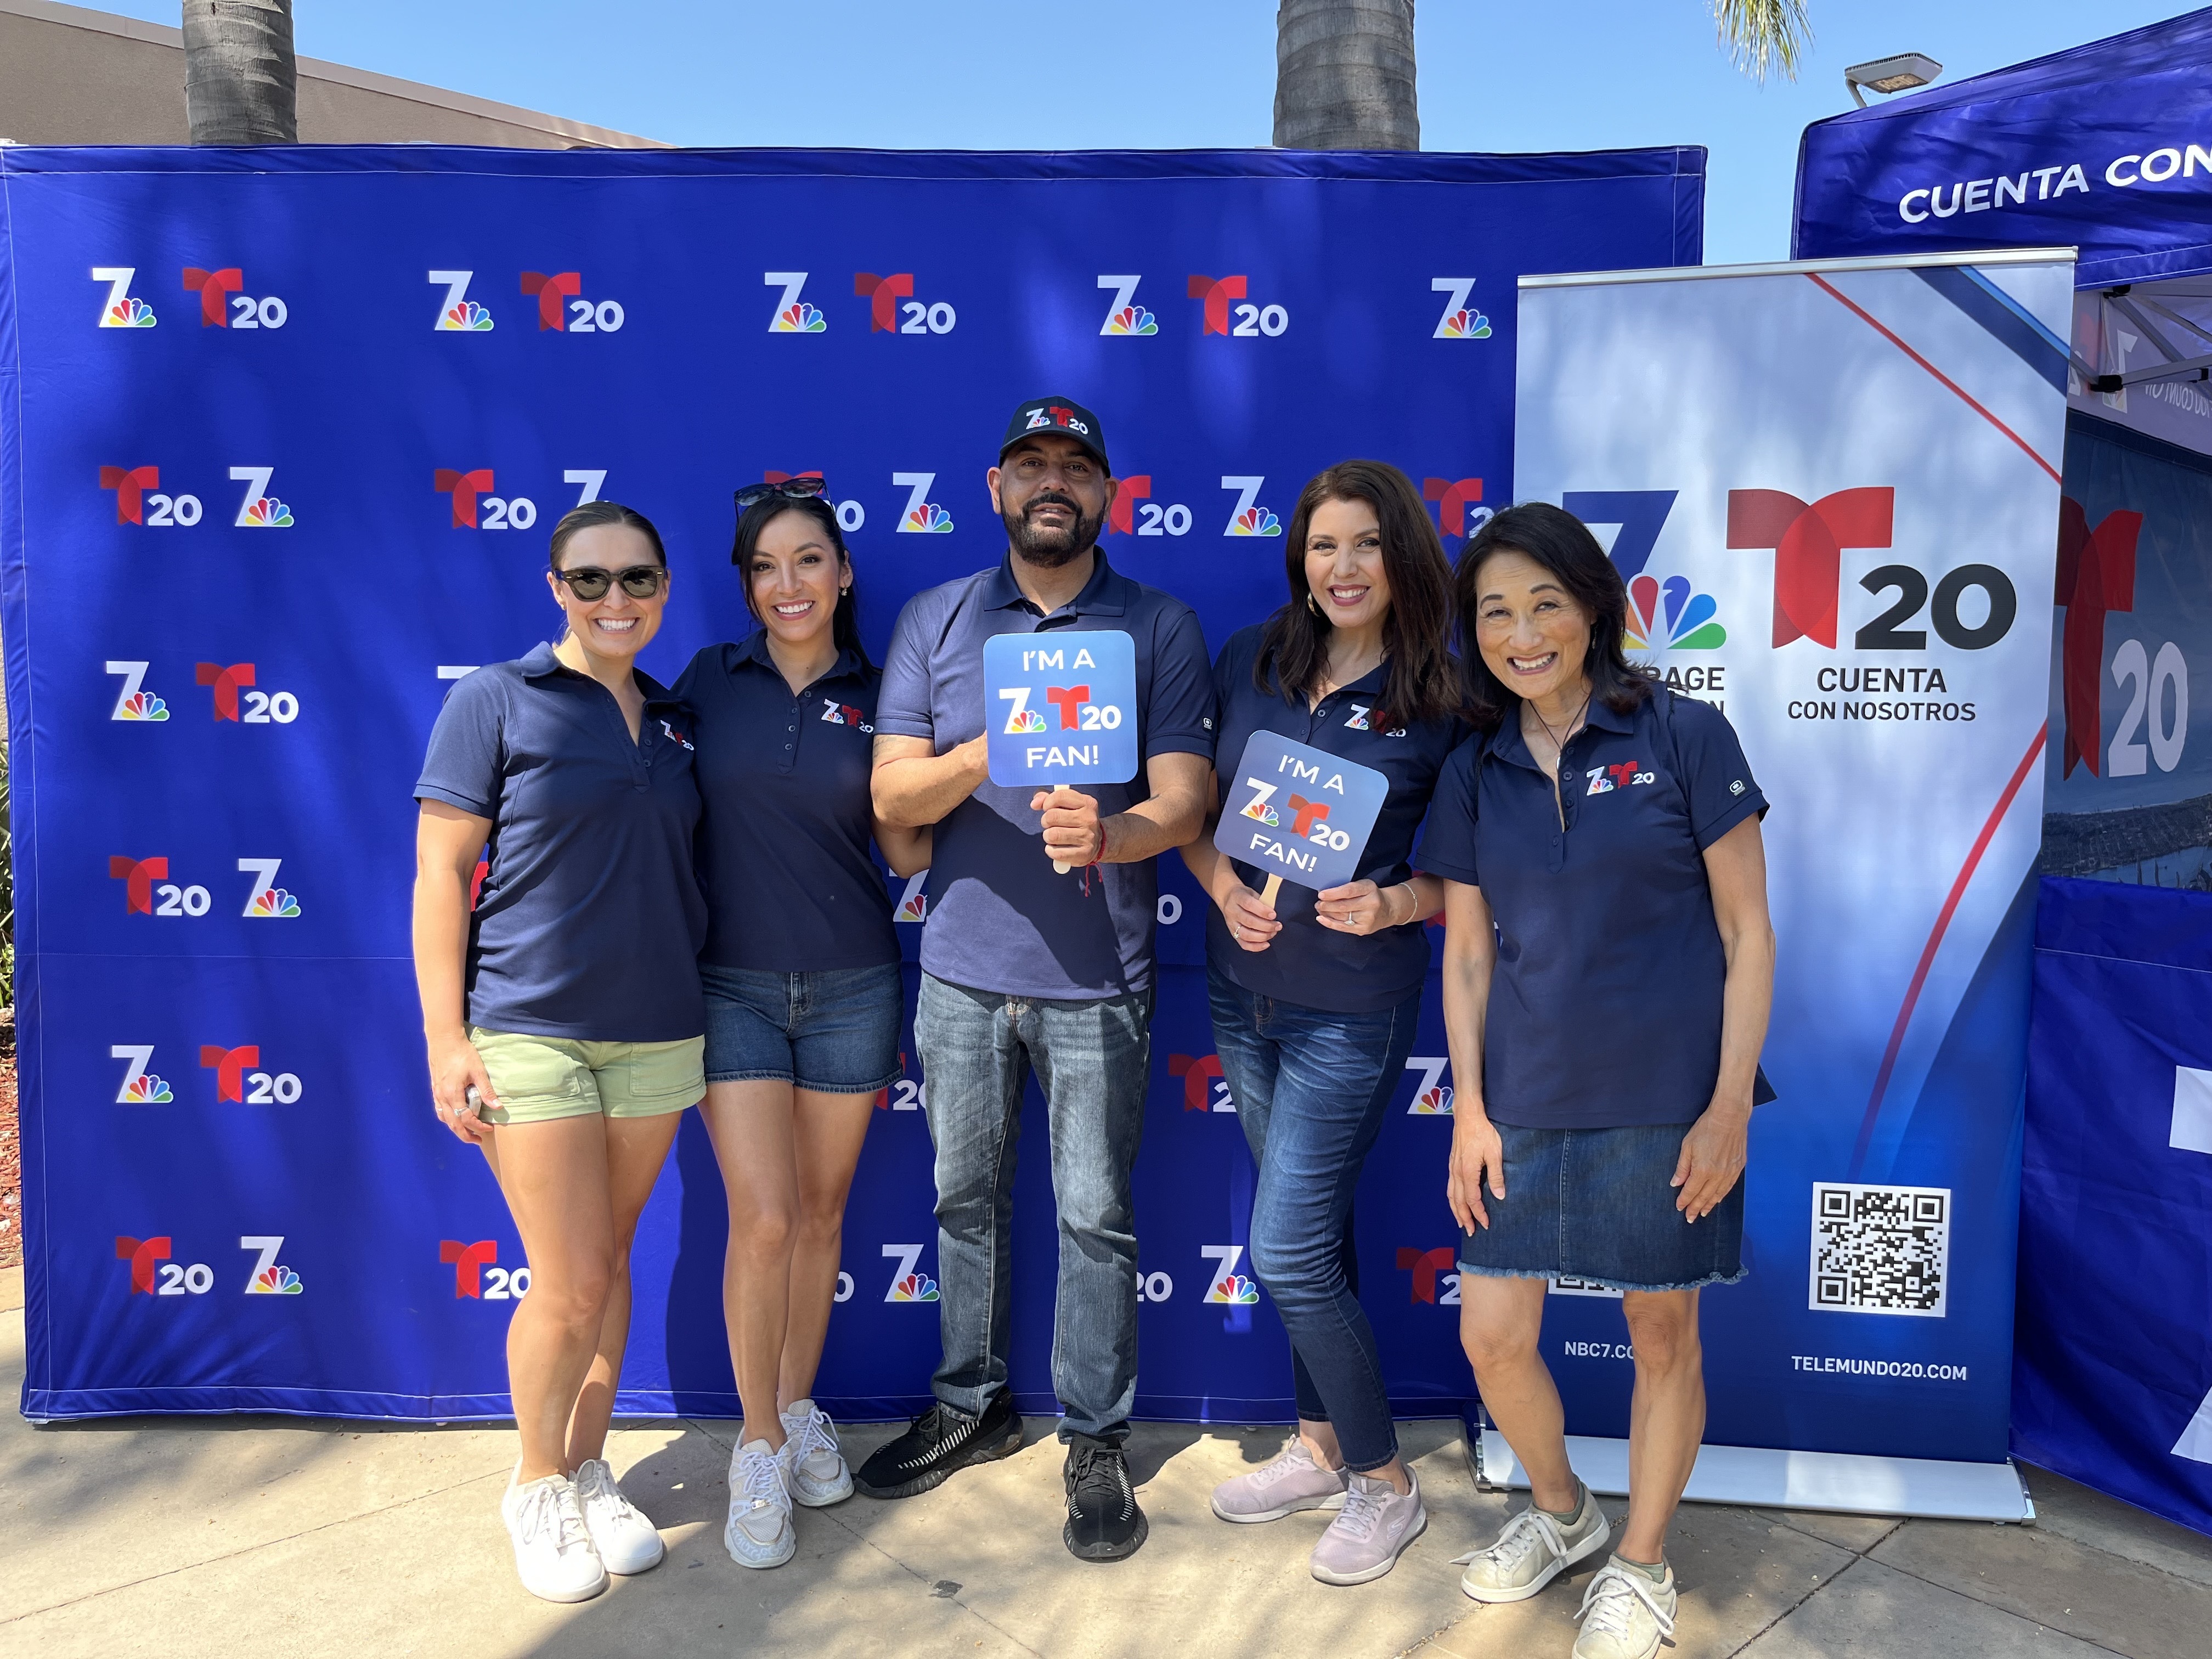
1344 76
241 86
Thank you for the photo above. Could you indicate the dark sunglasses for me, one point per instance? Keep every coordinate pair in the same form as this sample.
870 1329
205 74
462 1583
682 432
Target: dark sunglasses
791 489
590 583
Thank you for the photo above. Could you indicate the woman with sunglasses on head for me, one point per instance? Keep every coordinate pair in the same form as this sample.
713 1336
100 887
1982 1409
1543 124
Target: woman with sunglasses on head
562 1010
803 983
1315 996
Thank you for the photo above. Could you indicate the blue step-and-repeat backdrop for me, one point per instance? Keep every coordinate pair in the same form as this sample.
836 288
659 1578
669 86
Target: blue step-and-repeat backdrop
282 434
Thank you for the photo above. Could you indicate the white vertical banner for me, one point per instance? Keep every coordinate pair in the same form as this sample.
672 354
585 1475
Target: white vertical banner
1833 489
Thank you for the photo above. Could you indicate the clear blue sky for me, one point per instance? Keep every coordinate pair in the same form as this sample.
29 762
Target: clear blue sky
1172 74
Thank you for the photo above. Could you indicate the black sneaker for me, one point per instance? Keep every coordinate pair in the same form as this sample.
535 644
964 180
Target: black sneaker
1103 1521
941 1441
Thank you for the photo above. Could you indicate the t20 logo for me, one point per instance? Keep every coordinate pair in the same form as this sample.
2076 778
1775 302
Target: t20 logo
1453 497
136 504
223 305
892 308
1133 512
474 1275
1204 1088
1251 321
152 1273
237 1077
147 892
563 308
1434 1281
457 313
236 700
1124 316
475 508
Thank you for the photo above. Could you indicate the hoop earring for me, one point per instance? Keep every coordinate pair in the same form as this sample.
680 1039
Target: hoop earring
1313 605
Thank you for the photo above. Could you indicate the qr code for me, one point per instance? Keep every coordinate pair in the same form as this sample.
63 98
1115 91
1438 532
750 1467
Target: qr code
1880 1249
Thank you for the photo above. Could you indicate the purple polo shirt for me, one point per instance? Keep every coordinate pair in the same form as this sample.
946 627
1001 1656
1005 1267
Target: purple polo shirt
1000 918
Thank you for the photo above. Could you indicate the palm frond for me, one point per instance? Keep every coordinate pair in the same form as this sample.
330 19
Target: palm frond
1764 34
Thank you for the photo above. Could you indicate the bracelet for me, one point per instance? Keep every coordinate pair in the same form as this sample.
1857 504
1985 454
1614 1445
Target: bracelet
1413 901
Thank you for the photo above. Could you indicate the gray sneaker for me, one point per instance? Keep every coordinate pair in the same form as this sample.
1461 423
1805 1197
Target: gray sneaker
1625 1615
1291 1482
1533 1550
1364 1540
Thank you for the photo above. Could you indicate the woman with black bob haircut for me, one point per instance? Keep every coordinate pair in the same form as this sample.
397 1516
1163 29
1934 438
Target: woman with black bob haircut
1315 997
561 1003
1609 967
802 980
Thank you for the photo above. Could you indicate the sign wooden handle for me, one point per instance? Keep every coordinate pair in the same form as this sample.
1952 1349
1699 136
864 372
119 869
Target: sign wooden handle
1060 869
1267 893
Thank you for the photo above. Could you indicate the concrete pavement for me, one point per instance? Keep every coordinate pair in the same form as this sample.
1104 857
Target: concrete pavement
283 1537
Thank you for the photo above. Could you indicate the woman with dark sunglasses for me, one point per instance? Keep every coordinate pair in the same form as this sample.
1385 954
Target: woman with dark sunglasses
562 1009
802 978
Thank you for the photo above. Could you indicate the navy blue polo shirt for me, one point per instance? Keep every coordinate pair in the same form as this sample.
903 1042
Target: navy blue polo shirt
999 918
589 922
783 851
1605 1006
1307 963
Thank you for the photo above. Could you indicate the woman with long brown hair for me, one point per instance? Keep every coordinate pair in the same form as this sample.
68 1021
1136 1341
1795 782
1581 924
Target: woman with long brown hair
1315 996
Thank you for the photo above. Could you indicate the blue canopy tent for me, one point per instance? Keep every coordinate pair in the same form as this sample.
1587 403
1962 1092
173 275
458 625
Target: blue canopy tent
2107 146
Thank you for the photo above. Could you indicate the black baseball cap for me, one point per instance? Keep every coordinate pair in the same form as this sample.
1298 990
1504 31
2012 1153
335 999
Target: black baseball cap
1063 416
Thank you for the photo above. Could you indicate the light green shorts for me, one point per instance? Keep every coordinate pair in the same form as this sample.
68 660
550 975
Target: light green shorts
538 1078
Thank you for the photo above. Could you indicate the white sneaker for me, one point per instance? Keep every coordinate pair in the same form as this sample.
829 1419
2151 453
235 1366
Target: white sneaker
810 1453
1533 1550
625 1539
759 1532
1625 1615
553 1549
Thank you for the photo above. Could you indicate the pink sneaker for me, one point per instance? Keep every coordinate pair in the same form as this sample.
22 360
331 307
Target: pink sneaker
1293 1481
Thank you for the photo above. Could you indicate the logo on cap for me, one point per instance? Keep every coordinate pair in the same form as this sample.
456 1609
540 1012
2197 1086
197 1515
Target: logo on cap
1052 415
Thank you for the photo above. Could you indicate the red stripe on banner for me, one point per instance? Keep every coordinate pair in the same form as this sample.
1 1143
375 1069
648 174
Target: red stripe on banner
1936 940
1871 322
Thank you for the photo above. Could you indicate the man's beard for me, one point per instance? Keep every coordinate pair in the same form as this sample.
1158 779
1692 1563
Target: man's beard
1048 550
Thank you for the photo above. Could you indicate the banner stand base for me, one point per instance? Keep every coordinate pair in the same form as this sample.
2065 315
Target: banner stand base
1762 1478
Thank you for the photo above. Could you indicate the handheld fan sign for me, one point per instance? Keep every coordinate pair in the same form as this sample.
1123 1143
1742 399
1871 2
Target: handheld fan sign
1060 707
1301 814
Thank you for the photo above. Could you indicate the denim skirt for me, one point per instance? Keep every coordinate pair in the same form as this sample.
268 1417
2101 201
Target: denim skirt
1595 1205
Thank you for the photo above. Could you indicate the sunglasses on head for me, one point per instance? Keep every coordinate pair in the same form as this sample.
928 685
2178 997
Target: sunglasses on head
791 489
588 582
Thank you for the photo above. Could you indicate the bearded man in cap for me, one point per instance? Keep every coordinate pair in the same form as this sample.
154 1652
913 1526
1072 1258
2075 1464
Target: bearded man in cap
1026 969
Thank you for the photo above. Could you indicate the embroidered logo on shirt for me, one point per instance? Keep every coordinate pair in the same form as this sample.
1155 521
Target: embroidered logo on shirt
1357 722
1736 788
843 714
675 736
1603 780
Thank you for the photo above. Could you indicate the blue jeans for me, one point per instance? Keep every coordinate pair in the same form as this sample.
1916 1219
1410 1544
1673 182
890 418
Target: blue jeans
1310 1089
1091 1059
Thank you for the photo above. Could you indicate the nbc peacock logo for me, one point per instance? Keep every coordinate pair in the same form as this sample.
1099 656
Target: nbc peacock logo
141 1085
1255 521
799 318
1133 319
457 313
141 706
267 512
1669 617
1432 1096
1465 325
1024 720
1227 1285
120 309
277 1281
908 1282
913 900
1461 319
930 520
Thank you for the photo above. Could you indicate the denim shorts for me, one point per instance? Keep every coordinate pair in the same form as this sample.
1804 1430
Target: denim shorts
1595 1205
835 1031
